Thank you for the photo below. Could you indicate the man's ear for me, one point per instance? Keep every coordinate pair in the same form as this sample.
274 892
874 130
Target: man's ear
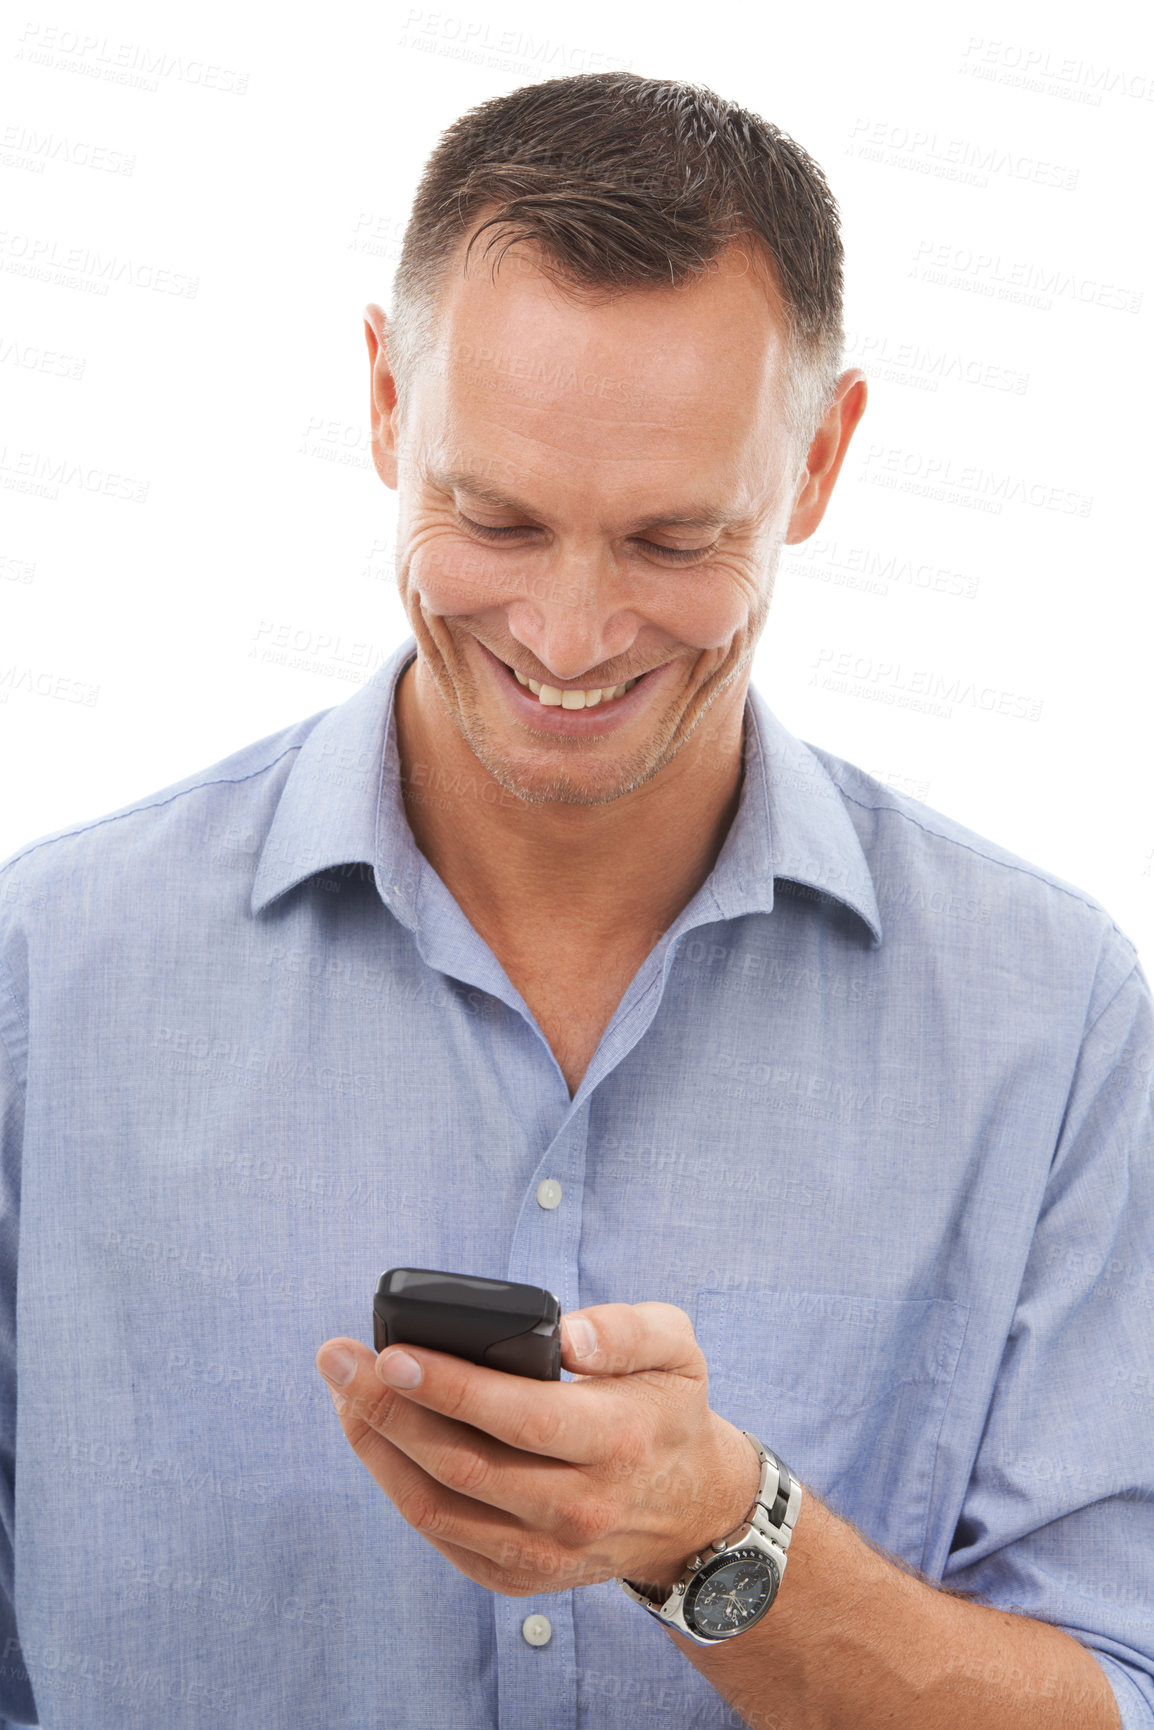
382 396
825 457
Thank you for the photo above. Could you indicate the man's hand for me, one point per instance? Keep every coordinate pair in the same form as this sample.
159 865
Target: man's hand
531 1487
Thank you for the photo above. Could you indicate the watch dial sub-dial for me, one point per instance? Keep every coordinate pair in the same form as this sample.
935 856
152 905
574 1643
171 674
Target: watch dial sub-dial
731 1593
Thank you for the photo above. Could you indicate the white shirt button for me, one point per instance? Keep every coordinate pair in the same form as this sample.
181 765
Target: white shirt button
538 1630
549 1193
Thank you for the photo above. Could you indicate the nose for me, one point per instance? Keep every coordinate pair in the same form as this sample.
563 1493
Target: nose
571 617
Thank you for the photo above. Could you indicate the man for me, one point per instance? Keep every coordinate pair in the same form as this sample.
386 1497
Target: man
550 956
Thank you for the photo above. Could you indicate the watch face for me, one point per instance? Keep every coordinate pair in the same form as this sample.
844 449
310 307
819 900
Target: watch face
731 1593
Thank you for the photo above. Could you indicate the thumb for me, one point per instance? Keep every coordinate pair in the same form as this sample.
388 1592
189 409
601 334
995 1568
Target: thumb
623 1339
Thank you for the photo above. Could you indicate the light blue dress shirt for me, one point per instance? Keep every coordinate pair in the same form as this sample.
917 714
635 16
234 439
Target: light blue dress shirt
875 1112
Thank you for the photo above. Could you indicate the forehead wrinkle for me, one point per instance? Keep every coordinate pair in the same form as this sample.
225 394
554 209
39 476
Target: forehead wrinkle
648 410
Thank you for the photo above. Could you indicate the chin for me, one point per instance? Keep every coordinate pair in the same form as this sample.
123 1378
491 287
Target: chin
556 786
584 782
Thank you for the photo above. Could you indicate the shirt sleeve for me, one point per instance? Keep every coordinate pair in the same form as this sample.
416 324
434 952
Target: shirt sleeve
1058 1519
17 1705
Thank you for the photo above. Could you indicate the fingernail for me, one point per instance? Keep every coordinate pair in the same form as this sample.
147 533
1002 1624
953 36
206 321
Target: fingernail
337 1365
581 1336
399 1370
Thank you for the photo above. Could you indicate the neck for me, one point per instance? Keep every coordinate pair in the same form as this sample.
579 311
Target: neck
597 874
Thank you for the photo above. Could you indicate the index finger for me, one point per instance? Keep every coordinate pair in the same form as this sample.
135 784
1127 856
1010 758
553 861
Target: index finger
562 1420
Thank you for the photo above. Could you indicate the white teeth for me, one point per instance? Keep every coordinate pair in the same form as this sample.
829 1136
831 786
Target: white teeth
553 697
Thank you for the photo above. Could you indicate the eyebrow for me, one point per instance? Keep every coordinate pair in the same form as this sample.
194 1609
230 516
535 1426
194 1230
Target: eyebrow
694 516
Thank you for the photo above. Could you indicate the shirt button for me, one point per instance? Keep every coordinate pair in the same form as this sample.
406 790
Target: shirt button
548 1195
538 1630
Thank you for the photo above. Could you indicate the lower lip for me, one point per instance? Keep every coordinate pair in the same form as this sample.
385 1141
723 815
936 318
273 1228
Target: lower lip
572 723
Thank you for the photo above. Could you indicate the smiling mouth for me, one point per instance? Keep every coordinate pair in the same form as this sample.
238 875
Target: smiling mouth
552 697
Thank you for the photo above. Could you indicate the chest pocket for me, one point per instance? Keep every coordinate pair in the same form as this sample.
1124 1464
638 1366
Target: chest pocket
850 1390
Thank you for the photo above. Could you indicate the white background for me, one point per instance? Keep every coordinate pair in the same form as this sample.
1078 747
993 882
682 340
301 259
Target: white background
197 204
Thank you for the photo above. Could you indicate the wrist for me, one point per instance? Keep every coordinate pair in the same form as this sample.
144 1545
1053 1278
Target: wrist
725 1488
729 1584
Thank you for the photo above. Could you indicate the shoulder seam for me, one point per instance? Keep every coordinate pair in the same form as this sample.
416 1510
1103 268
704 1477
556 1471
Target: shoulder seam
1110 1001
20 1080
146 804
1005 864
7 984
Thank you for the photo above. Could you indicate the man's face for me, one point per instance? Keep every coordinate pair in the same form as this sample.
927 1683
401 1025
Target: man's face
593 494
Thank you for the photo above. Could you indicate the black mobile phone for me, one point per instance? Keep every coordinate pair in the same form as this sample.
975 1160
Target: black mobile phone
487 1321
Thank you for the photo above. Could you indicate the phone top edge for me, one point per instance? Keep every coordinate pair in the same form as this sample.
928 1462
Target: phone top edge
438 1285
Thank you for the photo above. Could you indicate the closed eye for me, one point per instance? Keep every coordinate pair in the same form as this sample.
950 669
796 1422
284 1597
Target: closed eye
676 555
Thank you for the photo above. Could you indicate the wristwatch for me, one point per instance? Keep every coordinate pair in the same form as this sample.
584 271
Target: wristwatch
728 1587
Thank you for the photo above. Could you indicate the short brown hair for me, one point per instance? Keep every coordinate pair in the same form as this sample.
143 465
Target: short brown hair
621 182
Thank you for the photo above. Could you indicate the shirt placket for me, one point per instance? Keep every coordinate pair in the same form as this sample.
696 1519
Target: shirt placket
536 1659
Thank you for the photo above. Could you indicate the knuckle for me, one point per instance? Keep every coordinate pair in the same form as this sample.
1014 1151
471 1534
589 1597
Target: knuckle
378 1411
672 1320
538 1430
452 1397
586 1521
464 1469
683 1326
419 1507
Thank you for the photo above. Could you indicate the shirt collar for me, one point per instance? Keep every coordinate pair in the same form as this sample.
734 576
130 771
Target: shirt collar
792 826
337 806
341 805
